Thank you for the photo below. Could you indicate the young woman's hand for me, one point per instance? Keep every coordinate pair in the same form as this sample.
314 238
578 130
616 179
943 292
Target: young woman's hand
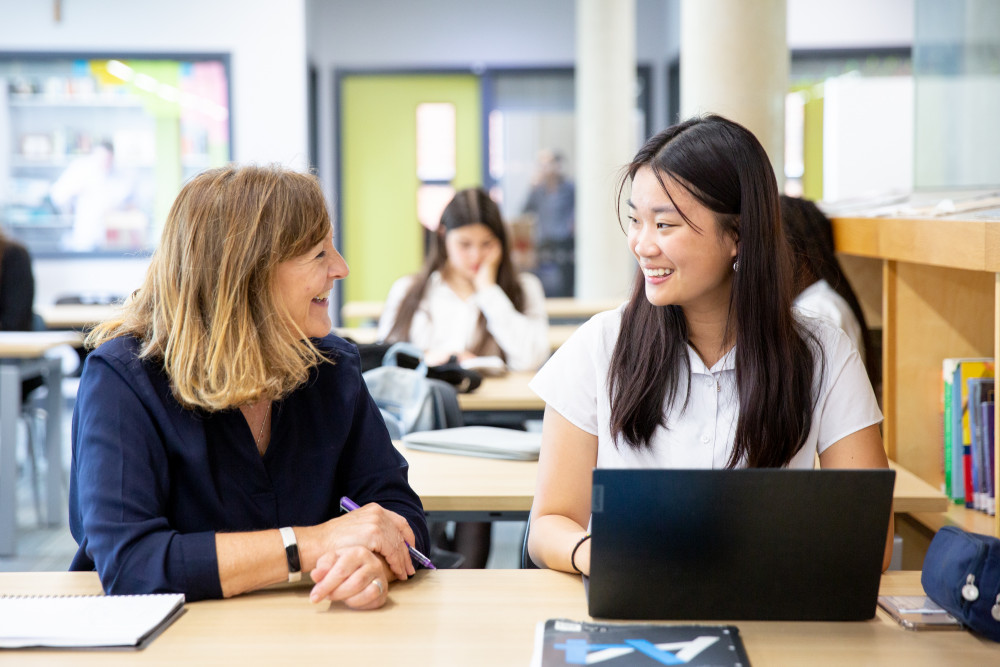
486 276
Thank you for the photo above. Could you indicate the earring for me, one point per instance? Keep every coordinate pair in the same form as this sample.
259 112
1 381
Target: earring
736 265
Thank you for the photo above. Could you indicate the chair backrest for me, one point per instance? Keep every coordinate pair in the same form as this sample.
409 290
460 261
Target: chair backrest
526 562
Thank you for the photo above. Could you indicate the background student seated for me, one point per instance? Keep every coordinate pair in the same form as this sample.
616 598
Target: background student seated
468 301
820 286
218 409
706 365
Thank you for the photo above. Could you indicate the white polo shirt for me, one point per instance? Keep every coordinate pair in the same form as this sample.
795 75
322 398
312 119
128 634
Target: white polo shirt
574 382
821 300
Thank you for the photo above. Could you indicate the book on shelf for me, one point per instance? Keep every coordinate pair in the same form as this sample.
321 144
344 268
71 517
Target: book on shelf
988 436
957 435
561 641
85 621
979 390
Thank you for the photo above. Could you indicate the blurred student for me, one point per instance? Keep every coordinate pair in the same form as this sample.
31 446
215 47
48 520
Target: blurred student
706 366
552 203
821 288
467 301
17 286
17 297
91 188
218 422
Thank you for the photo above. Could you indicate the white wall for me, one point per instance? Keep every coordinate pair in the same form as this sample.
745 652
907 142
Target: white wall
266 43
849 24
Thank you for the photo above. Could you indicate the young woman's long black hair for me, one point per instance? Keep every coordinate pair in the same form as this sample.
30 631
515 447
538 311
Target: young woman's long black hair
725 168
810 235
467 207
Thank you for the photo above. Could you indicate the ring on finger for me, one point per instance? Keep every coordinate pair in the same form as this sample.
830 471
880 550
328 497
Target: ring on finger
378 584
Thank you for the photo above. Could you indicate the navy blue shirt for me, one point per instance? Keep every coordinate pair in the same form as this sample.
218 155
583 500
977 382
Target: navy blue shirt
151 482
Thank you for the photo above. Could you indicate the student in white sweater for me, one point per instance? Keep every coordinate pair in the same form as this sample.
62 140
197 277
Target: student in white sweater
706 366
468 300
821 288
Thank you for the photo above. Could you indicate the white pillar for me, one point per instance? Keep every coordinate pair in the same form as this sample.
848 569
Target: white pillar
734 62
606 136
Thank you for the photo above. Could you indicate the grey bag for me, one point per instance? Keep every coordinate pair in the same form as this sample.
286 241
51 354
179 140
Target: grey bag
408 400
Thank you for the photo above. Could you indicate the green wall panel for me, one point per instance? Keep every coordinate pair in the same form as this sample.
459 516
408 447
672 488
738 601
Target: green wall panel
381 238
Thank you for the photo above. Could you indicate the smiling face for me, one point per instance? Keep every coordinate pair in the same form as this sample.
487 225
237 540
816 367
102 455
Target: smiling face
302 286
468 247
683 266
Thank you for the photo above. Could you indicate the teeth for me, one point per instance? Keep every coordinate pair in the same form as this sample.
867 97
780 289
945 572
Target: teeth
657 273
324 295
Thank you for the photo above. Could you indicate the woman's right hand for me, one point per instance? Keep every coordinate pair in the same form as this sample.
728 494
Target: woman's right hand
378 530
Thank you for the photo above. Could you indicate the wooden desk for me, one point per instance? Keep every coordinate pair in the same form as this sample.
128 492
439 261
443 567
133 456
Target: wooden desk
558 308
912 494
558 334
471 488
22 354
76 316
467 617
506 393
502 401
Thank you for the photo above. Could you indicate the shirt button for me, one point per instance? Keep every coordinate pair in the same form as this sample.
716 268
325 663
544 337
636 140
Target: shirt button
709 380
705 439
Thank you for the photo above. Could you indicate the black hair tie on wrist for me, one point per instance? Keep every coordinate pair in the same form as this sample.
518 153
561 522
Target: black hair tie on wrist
572 556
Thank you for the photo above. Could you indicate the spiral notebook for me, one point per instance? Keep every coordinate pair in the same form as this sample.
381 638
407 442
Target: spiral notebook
85 621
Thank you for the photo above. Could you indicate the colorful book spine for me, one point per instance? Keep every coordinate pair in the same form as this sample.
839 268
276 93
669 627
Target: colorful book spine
979 388
970 369
948 379
989 449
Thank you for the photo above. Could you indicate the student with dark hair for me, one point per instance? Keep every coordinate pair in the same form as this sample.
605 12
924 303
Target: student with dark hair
17 286
706 365
821 289
468 300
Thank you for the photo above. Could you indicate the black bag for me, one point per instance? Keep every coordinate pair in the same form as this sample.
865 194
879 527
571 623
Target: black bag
374 355
962 574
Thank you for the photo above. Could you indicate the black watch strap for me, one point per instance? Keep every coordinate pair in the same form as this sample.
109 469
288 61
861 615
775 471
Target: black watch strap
291 553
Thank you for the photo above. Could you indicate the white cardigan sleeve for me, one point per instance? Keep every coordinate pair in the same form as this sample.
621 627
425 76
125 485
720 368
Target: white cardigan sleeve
391 307
523 337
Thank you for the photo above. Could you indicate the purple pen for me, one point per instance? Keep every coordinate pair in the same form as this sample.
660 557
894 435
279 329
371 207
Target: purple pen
349 505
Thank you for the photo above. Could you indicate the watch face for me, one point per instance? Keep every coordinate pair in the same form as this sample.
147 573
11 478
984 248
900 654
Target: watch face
291 553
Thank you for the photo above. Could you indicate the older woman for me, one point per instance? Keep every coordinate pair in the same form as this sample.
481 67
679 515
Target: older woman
218 422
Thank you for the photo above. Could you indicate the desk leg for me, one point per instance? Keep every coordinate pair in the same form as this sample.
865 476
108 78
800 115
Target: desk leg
56 510
10 404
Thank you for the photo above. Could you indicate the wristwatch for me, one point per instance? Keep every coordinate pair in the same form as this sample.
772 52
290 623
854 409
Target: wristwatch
291 553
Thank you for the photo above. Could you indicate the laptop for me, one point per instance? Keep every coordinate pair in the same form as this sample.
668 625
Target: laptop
757 544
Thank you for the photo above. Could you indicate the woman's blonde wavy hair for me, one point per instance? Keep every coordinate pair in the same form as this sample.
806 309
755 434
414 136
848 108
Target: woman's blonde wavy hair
207 306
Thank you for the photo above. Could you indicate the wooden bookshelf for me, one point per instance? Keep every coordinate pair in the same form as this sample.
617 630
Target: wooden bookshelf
940 297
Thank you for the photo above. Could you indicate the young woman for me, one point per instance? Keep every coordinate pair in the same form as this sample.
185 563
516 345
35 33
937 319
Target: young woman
705 366
218 422
467 300
820 286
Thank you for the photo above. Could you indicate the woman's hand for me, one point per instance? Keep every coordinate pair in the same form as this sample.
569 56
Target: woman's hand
379 531
486 275
353 575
